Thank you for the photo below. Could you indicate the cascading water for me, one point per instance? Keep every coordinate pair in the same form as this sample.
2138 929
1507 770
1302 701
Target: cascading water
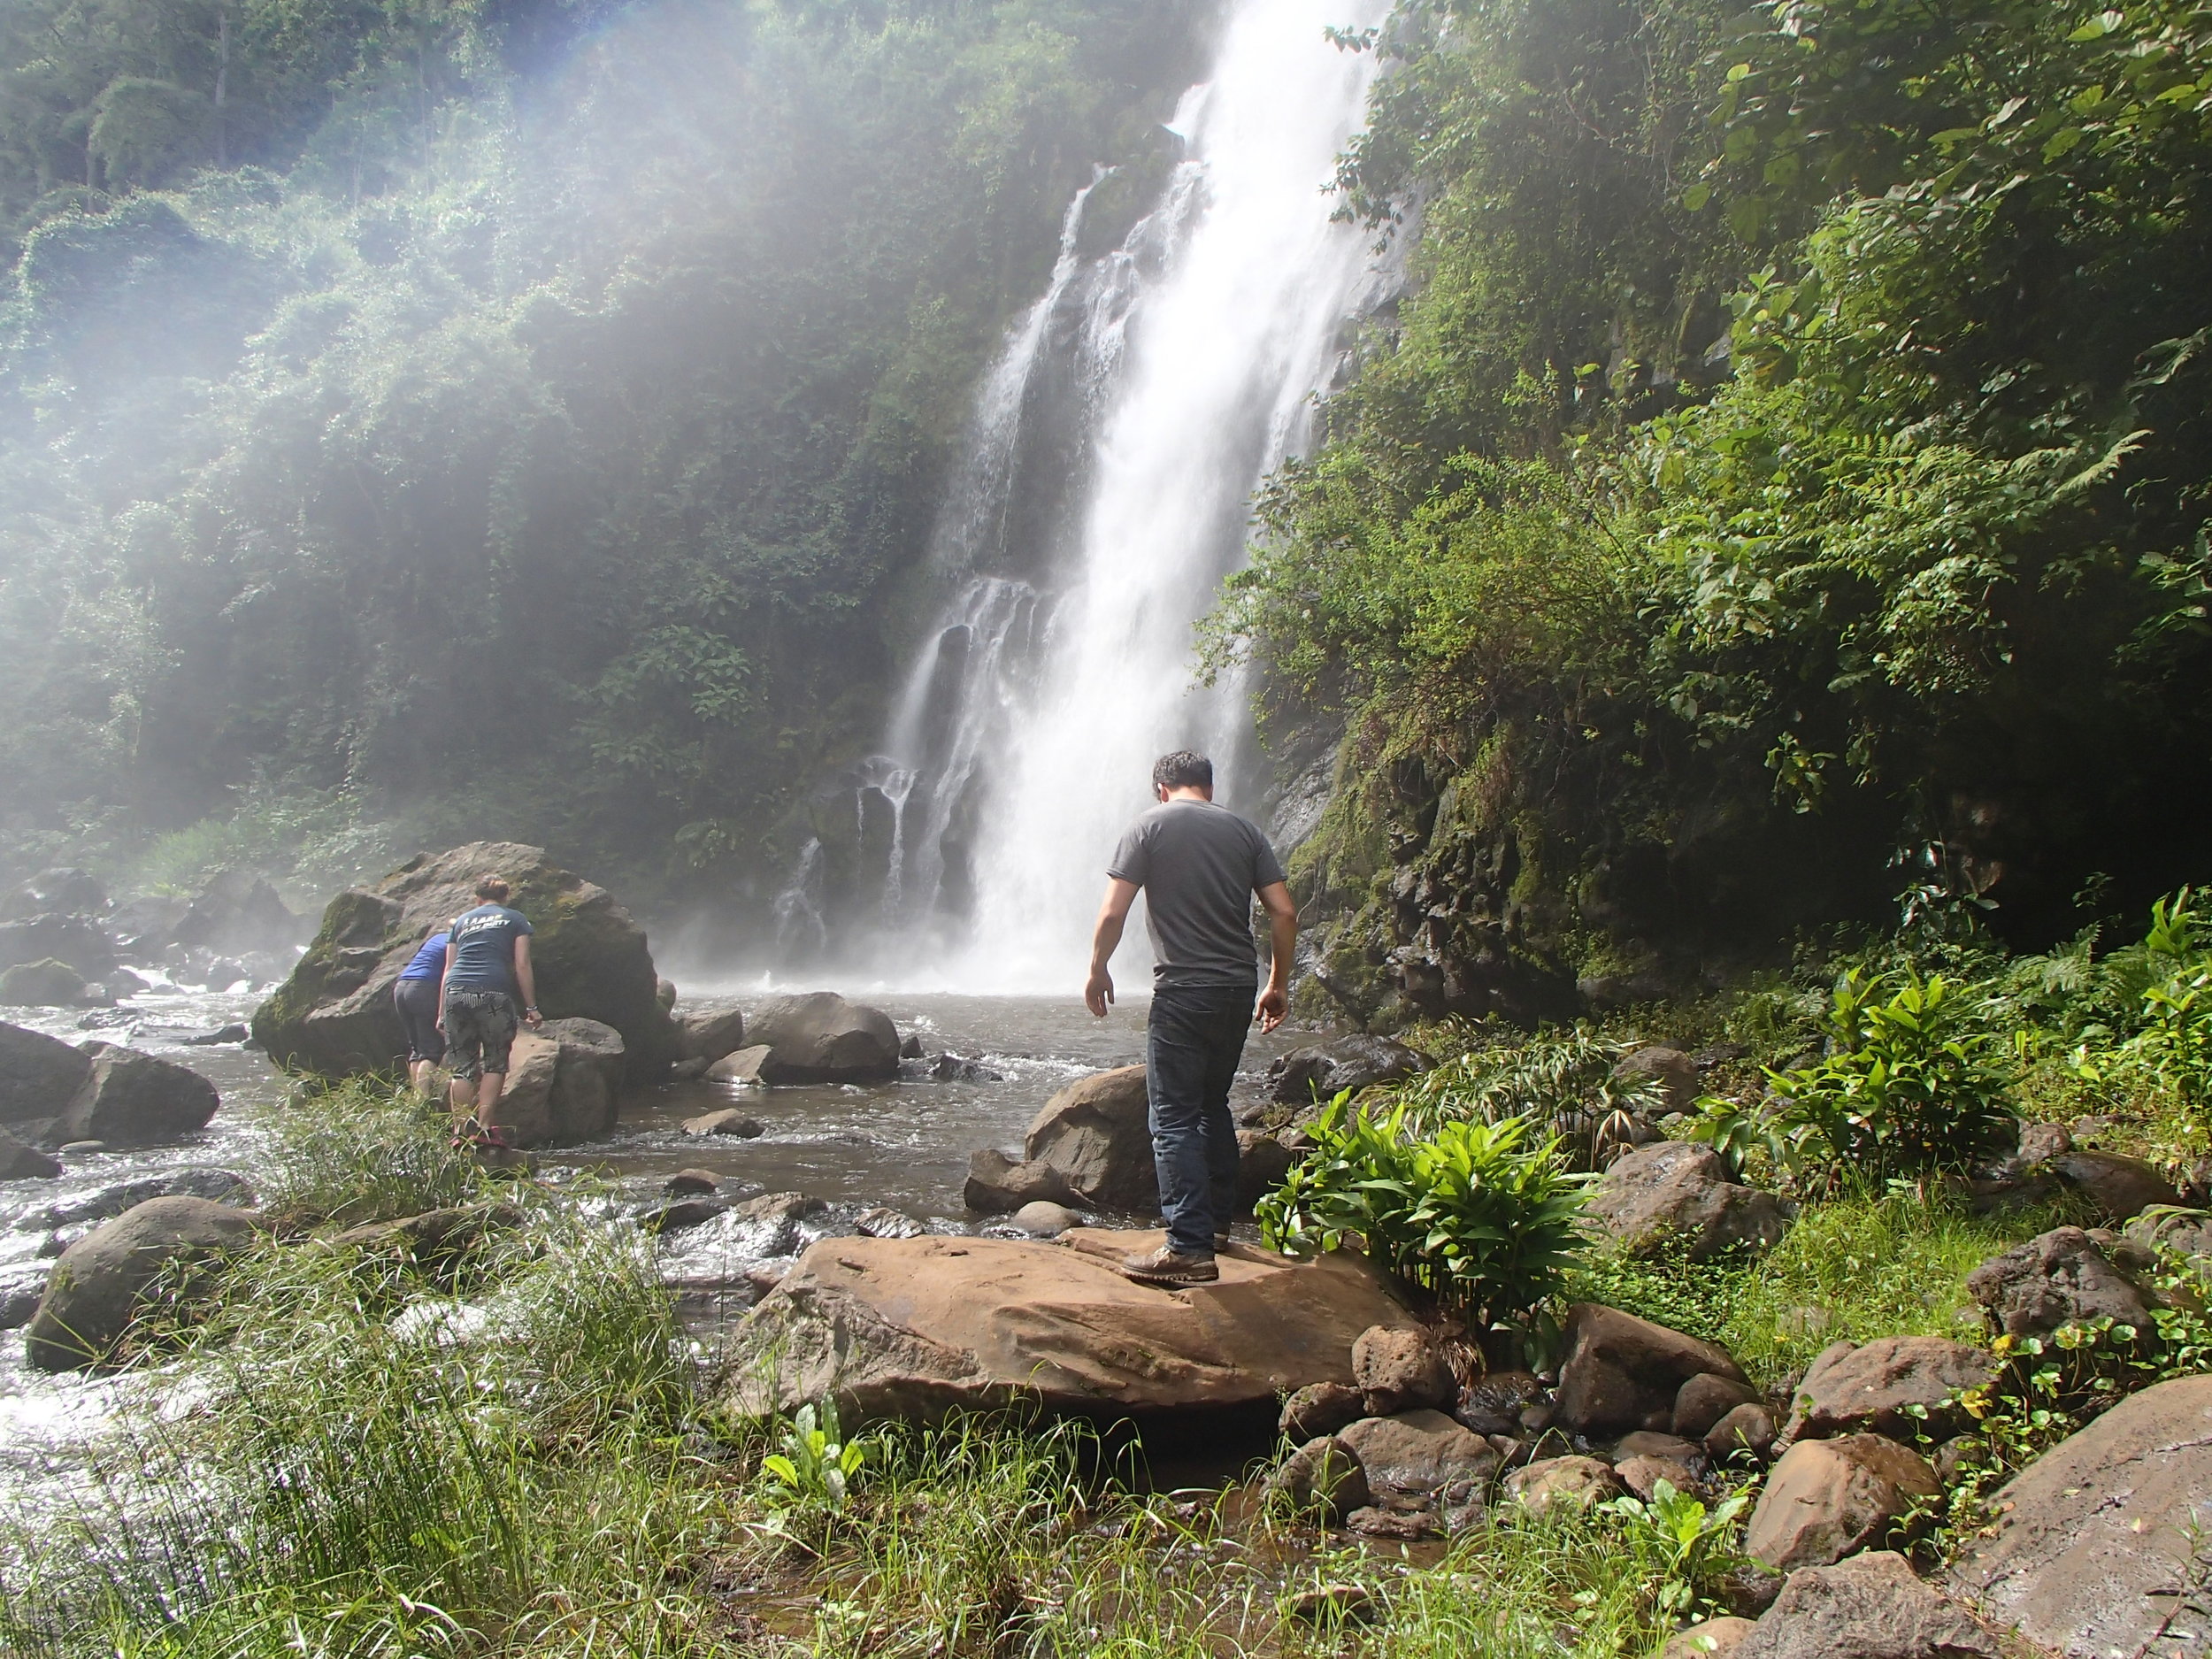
1061 666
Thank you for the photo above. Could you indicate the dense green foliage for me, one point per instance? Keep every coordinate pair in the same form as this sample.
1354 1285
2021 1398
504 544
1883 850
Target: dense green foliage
1477 1213
532 438
1790 470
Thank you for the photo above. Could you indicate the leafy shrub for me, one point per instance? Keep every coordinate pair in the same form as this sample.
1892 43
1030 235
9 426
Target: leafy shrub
1694 1546
1562 1080
1908 1086
818 1462
1481 1219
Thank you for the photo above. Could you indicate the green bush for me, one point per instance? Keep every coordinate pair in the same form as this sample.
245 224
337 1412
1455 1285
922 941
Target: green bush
1485 1222
1909 1084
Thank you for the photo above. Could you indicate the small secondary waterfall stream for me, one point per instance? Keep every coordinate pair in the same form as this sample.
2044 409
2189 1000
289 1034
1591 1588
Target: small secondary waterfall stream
1139 401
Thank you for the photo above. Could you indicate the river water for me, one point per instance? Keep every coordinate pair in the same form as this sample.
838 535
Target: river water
904 1143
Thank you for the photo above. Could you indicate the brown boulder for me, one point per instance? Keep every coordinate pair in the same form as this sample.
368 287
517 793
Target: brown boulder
2061 1277
1675 1197
1869 1606
821 1038
131 1099
2120 1187
1643 1475
728 1121
1745 1428
1423 1457
1621 1371
1712 1639
1578 1481
334 1015
1096 1133
96 1288
1320 1409
1670 1071
1828 1499
1325 1475
1705 1400
1398 1368
1879 1385
997 1183
21 1163
923 1326
563 1082
740 1065
709 1034
2096 1542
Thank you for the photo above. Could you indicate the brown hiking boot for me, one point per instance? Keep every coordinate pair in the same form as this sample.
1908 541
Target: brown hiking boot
1169 1270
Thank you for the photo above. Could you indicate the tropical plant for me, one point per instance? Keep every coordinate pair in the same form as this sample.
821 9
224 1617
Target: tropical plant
1567 1080
817 1463
1908 1086
1693 1545
1473 1211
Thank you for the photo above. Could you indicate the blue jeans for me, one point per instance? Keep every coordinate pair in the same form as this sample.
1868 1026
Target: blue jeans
1192 1047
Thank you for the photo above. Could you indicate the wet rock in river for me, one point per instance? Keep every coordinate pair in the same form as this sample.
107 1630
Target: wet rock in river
685 1213
564 1083
741 1067
1097 1134
133 1099
997 1183
690 1184
19 1293
1046 1220
709 1035
96 1286
47 984
953 1068
728 1121
821 1038
38 1075
21 1162
883 1222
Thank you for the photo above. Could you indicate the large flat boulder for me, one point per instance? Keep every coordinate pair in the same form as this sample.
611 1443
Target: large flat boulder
76 939
38 1075
920 1327
1674 1197
96 1288
334 1014
2095 1549
821 1038
1097 1134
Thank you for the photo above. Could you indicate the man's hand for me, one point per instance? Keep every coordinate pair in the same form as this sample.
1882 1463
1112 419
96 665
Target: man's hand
1268 1010
1098 992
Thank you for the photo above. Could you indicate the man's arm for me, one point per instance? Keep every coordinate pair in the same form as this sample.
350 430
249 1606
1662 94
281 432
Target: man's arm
1282 932
528 980
1113 911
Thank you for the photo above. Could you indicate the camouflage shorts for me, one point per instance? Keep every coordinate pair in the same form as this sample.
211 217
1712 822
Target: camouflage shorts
479 1028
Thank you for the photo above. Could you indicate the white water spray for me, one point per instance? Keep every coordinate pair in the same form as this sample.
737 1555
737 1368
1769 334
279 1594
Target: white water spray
1058 673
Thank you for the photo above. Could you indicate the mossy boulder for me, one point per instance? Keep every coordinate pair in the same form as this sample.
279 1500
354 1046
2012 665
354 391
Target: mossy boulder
334 1017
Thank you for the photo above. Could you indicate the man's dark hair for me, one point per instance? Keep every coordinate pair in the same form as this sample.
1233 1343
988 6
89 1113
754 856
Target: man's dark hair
1183 769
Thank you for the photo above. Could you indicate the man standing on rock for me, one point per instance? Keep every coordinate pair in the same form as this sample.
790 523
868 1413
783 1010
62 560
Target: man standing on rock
486 971
1198 866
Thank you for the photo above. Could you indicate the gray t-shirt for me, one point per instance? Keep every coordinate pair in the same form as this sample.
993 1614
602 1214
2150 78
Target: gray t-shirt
1199 865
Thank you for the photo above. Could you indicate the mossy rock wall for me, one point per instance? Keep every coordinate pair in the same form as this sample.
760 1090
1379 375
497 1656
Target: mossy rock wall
334 1016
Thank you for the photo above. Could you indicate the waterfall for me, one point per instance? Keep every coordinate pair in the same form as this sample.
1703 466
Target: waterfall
1188 360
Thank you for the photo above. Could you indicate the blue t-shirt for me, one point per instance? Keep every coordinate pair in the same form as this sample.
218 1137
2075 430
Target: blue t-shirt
484 948
429 962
